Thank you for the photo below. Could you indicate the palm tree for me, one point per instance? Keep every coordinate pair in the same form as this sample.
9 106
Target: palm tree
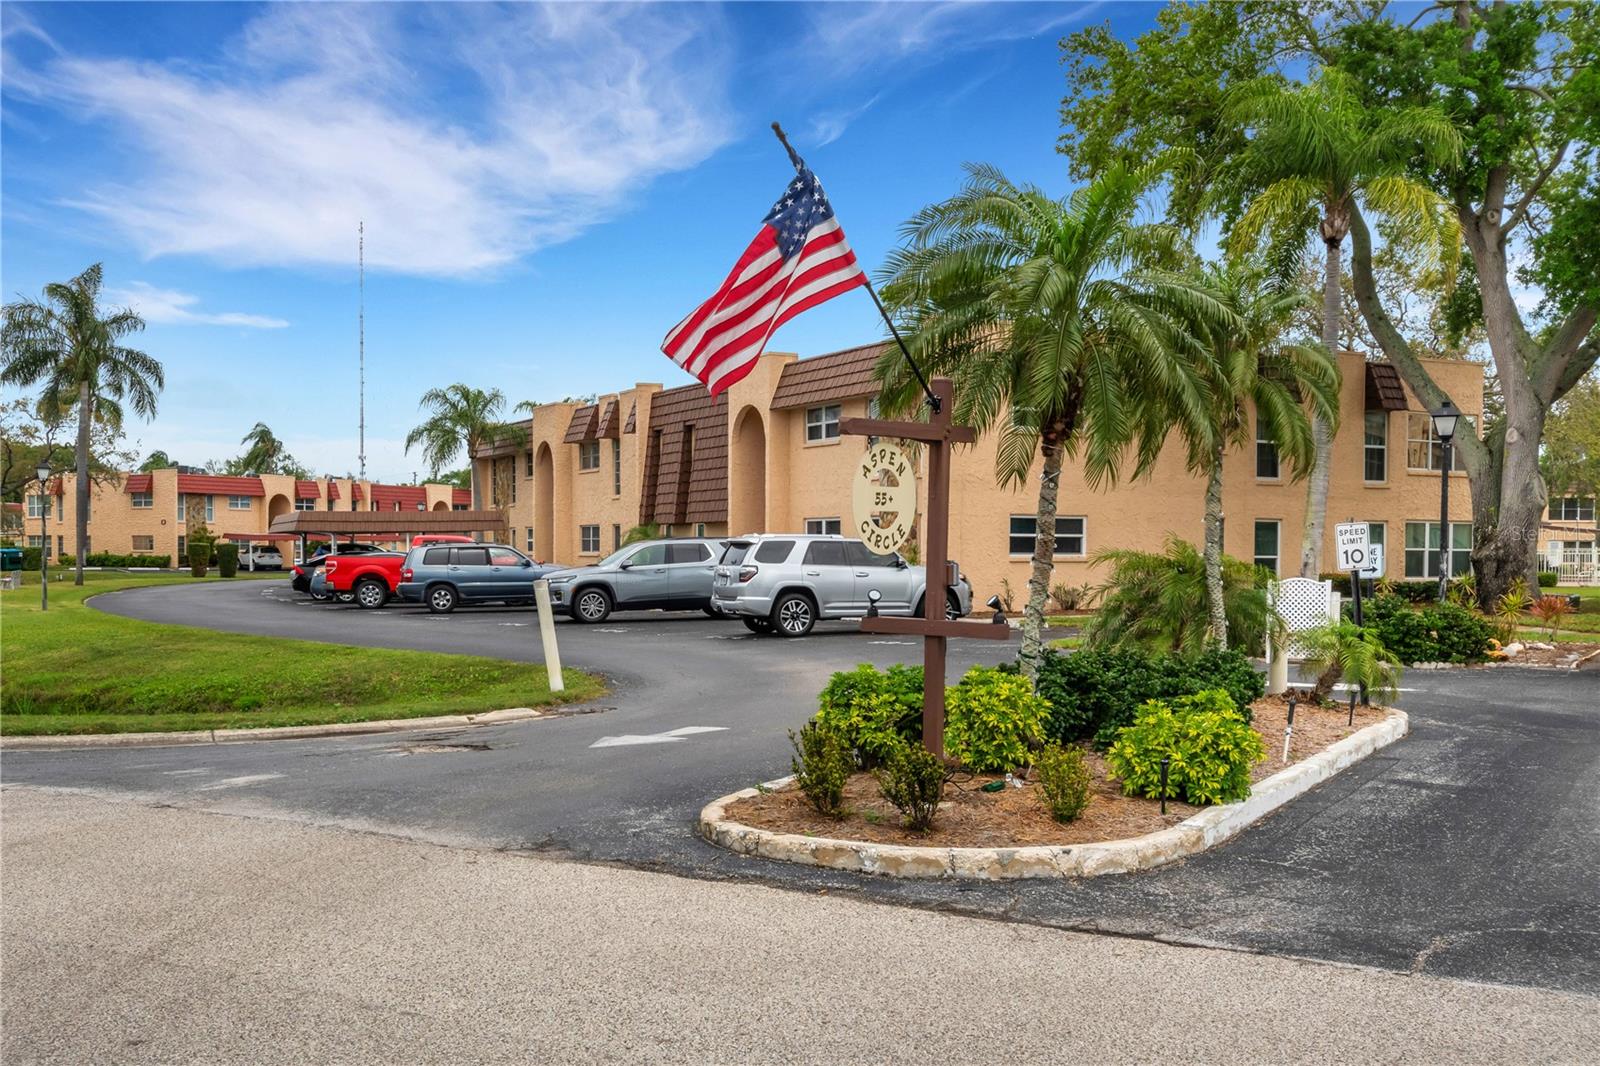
263 452
1059 329
1247 366
1315 150
157 460
67 343
1157 600
460 416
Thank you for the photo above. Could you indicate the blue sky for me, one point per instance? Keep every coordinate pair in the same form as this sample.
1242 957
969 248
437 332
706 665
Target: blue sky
546 190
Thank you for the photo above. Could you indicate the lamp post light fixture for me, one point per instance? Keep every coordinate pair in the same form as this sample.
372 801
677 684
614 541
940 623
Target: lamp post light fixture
1444 418
44 535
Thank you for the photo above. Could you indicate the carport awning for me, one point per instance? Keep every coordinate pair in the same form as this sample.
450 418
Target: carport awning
373 523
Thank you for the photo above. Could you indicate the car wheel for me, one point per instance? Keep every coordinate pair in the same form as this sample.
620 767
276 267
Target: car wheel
345 597
591 605
371 593
319 596
757 625
711 612
794 615
441 599
952 607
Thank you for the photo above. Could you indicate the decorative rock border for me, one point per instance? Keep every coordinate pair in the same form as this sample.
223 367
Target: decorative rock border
1195 834
283 732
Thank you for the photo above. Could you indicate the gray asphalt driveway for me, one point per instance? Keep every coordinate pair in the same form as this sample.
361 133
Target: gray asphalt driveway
1467 850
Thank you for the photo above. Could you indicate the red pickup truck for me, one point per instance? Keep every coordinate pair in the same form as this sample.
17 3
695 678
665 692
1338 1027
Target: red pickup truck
374 578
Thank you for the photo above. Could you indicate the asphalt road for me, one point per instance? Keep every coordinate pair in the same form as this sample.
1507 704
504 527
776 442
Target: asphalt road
1468 850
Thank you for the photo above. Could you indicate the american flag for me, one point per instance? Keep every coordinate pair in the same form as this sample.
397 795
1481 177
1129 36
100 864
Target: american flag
798 260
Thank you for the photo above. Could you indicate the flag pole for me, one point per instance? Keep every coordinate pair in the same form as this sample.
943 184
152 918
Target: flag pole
933 399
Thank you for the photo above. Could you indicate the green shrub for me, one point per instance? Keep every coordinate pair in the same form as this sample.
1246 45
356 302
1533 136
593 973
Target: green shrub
1096 691
1440 632
1211 746
993 720
30 558
821 765
1352 653
873 712
199 559
913 780
1548 579
227 559
1064 779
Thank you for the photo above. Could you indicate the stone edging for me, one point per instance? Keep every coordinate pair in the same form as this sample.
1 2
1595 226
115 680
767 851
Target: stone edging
1195 834
287 732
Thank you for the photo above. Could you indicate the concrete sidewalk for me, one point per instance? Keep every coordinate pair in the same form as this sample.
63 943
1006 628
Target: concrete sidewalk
141 934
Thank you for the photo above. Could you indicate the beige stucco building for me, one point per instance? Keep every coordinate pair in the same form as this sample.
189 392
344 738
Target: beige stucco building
767 456
150 513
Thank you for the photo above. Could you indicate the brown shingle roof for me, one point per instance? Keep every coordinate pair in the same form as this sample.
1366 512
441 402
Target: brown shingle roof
686 465
826 378
582 426
1384 389
610 425
633 416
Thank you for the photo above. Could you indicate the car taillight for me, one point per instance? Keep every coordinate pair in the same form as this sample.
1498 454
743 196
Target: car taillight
747 572
330 566
405 573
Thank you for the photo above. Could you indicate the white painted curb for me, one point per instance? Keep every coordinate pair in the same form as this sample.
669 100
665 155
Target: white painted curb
286 732
1195 834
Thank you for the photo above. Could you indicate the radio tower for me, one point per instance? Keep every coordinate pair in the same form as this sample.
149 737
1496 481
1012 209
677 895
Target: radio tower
361 339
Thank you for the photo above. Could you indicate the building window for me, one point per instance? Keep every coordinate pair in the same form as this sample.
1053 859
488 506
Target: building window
616 536
527 464
242 503
1424 451
700 529
299 505
1375 451
589 540
1069 535
822 423
35 540
530 540
1562 509
183 550
144 543
824 526
616 468
143 501
1422 549
38 506
589 455
1266 453
1267 544
459 507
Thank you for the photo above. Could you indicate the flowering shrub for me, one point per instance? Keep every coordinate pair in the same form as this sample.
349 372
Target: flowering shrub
1211 748
993 720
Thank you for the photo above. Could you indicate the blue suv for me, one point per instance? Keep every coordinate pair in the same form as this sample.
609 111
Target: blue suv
447 576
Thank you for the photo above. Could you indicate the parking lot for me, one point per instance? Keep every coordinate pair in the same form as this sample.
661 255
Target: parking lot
1441 855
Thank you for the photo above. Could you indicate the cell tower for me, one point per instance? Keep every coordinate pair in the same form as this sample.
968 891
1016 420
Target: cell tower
361 340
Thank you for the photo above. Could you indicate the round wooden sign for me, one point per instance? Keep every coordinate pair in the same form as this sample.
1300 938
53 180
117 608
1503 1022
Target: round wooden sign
885 498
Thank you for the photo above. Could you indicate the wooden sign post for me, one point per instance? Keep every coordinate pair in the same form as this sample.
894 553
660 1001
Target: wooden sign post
938 434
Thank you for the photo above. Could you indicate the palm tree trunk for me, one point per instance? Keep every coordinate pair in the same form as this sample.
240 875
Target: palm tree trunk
1213 551
1321 431
80 495
1044 554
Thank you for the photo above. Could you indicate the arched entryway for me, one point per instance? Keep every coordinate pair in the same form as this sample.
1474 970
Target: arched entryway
278 505
440 505
747 474
544 504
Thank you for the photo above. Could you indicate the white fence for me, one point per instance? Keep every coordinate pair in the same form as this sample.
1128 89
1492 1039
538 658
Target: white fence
1302 603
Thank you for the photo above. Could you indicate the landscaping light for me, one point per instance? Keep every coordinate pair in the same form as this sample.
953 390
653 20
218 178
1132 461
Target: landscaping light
873 596
1444 420
999 618
1166 761
1352 708
1288 730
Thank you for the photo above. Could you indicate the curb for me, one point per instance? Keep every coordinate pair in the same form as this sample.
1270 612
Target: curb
1193 835
285 732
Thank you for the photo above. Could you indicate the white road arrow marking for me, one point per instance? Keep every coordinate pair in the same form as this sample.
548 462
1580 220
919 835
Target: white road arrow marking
671 737
235 782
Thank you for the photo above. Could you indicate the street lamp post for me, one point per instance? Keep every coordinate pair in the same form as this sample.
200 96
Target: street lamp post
44 536
1444 427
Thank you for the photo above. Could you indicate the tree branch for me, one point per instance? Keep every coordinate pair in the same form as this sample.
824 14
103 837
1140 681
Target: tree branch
1567 357
1520 211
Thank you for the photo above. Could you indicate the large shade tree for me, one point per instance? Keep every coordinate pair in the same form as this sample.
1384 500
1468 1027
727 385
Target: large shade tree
1061 329
73 347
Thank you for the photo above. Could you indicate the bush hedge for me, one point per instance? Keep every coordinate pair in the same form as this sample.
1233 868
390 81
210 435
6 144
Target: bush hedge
1210 746
199 559
1094 693
1437 633
30 558
111 559
227 559
993 720
873 712
1548 579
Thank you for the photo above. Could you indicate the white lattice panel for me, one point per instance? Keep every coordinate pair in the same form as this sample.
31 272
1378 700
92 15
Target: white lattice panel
1302 603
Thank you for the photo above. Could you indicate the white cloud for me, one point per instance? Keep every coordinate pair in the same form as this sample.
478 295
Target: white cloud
830 126
464 136
858 36
169 306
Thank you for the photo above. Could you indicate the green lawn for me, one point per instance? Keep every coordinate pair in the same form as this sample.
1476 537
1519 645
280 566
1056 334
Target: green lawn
78 670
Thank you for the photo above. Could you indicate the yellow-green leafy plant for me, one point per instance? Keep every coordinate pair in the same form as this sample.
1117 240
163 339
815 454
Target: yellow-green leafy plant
913 780
1063 777
1508 609
994 720
1210 746
822 763
873 711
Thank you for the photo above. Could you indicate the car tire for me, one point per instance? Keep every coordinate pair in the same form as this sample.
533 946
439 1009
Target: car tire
442 599
591 606
794 615
711 612
952 607
370 593
345 597
320 597
757 625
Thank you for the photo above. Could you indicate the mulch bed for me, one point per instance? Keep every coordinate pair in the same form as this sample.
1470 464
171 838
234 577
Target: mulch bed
1564 654
1017 817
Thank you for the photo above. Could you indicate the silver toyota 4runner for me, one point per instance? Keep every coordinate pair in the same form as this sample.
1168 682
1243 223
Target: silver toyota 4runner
785 582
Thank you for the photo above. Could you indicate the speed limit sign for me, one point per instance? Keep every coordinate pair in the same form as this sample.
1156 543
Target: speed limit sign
1354 546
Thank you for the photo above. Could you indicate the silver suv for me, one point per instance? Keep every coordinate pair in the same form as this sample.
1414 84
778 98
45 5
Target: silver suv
784 582
662 575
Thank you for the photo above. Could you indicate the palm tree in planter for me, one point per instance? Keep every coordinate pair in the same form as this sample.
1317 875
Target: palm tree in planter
460 416
1315 151
1061 329
67 342
1157 601
1248 367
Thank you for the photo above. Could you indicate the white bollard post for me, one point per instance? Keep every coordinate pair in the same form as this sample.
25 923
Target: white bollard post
1277 667
547 633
